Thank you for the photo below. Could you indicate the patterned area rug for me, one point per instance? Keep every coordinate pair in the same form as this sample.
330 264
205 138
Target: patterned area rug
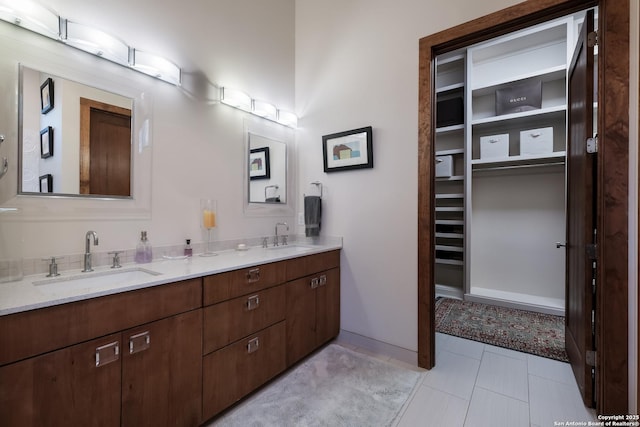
527 331
335 387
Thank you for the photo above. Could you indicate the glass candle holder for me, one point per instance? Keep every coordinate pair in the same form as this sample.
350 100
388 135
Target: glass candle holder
208 209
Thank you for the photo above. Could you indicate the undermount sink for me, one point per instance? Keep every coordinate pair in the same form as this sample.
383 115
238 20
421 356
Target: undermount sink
111 278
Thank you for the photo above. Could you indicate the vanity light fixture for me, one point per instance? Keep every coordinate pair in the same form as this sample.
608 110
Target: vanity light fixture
287 118
242 101
95 41
156 66
236 99
32 16
264 109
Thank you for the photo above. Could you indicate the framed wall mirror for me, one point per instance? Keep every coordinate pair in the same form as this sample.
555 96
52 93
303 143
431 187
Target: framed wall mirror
268 169
104 86
92 150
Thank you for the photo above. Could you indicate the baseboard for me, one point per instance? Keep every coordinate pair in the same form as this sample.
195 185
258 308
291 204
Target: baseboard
511 303
378 347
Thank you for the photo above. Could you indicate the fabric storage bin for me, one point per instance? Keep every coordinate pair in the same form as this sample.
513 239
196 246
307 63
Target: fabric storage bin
449 112
519 97
494 146
444 166
536 141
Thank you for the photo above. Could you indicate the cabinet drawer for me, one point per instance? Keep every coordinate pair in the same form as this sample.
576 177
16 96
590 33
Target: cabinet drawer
38 331
236 370
224 286
303 266
231 320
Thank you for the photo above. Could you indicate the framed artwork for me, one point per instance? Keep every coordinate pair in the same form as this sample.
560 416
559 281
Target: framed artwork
46 96
46 142
259 167
352 149
46 183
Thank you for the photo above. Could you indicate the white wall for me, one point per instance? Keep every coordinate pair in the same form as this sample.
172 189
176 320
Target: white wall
198 145
357 65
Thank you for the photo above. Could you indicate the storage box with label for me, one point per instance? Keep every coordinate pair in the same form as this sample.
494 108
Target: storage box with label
444 166
494 146
519 97
536 141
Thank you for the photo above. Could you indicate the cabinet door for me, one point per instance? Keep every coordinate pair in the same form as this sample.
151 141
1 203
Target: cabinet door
74 386
161 372
301 318
328 306
236 370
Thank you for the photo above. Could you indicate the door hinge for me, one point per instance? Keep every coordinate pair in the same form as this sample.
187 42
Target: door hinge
592 39
592 145
590 357
592 251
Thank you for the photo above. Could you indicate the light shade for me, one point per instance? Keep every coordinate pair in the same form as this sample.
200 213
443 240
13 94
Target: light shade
96 42
236 98
287 118
32 16
156 66
264 109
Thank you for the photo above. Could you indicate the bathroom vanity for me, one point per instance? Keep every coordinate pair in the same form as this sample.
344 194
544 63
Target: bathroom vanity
173 349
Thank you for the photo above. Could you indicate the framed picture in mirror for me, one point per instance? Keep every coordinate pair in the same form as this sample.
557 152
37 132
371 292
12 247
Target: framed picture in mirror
46 96
46 183
46 142
259 167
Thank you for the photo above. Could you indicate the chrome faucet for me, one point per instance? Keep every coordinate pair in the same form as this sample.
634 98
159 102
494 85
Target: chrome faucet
87 250
284 238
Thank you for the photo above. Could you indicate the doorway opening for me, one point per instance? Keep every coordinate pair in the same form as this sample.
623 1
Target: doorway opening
611 172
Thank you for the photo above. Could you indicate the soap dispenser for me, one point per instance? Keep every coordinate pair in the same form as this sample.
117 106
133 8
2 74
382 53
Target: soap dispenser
143 250
188 250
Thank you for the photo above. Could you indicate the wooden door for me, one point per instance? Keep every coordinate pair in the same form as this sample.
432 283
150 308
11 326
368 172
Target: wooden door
68 387
105 149
328 306
581 217
301 318
161 372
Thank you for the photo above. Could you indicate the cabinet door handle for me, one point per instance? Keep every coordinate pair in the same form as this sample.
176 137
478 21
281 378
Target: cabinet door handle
323 280
253 275
314 282
253 345
139 342
253 302
107 353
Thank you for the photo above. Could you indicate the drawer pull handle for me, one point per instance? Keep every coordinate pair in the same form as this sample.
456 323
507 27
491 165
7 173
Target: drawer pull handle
107 353
139 342
253 345
315 282
253 275
493 141
439 160
323 280
535 135
253 302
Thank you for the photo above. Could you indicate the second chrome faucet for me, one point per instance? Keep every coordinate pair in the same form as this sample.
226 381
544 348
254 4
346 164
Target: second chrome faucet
284 237
87 251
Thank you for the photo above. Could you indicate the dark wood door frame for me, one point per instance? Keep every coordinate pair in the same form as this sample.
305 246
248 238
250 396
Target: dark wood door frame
613 176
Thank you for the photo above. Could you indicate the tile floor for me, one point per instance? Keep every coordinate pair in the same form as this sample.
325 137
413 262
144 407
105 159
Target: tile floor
475 384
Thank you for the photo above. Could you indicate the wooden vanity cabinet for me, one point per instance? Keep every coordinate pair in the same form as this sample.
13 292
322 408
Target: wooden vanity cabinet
243 335
313 303
55 372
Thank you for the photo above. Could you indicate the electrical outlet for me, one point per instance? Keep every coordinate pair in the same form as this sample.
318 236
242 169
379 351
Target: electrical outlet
300 218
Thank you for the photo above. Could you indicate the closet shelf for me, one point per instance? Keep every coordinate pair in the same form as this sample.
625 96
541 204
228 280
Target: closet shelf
450 152
450 235
554 158
450 196
449 248
449 209
559 110
450 88
449 222
449 261
452 178
449 129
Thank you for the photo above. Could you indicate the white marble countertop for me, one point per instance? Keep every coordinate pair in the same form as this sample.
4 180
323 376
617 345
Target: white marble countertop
38 291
